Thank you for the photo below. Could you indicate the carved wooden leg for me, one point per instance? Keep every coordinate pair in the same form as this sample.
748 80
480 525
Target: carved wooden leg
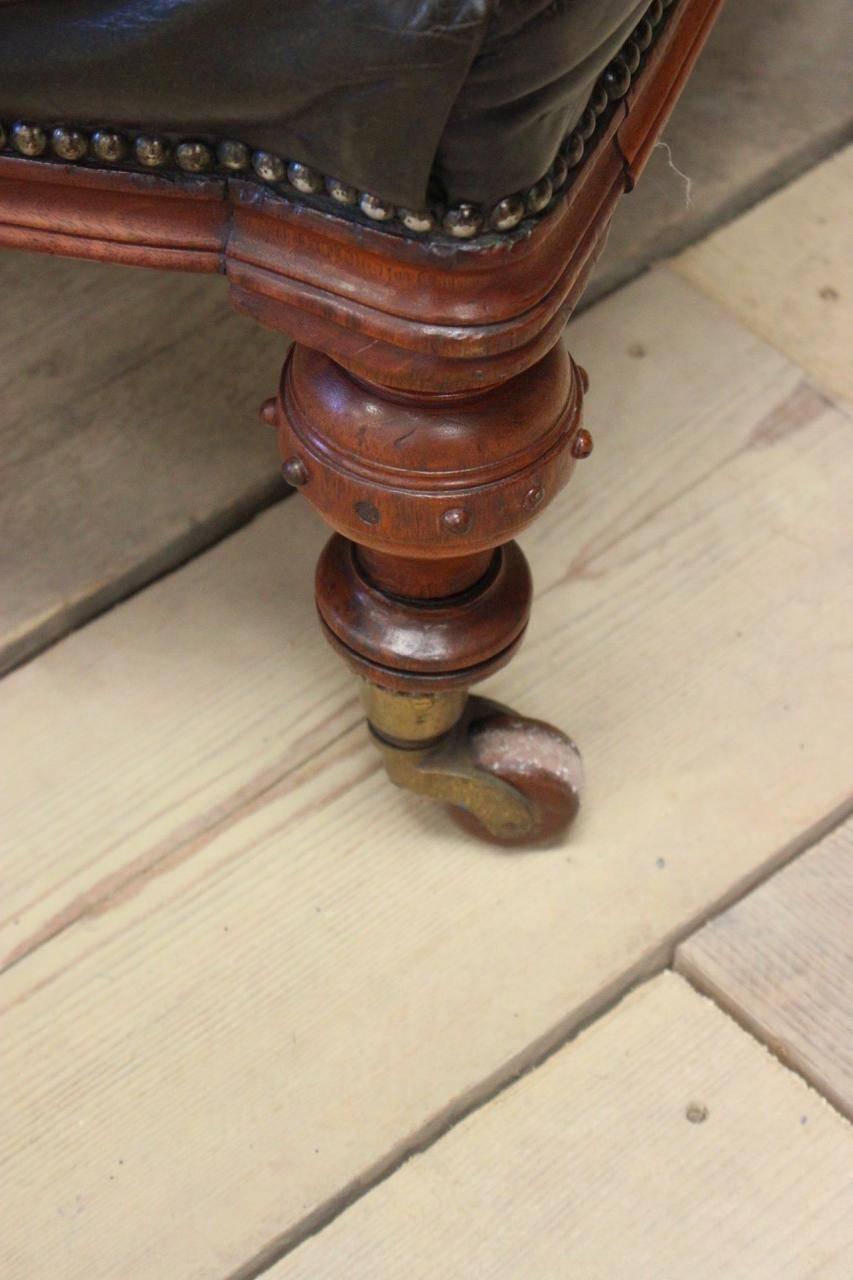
422 589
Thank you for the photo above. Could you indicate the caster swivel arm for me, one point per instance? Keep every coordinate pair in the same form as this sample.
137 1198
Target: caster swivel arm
511 780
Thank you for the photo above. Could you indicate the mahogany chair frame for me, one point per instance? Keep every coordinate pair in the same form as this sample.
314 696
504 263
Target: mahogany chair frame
427 409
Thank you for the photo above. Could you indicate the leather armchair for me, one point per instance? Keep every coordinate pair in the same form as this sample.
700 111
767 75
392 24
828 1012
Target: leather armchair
417 193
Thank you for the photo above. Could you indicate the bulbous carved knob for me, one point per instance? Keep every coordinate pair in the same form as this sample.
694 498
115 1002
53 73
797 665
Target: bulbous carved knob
268 412
295 472
582 444
430 476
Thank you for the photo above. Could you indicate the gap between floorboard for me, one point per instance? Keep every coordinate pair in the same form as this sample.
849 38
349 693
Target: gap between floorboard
168 559
203 832
659 958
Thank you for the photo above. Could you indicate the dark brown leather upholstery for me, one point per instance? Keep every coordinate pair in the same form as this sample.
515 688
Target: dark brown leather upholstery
381 93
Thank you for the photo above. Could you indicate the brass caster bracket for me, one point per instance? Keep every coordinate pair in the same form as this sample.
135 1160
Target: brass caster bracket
509 779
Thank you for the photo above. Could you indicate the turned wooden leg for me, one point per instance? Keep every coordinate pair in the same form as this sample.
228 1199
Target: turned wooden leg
422 589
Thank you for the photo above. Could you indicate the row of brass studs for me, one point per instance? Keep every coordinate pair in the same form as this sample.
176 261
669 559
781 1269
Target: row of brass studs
462 221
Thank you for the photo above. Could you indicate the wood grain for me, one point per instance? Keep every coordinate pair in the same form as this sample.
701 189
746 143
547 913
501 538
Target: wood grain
786 270
133 218
128 439
590 1167
781 961
275 975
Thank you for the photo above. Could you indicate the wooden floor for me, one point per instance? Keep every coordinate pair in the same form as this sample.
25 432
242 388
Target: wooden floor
265 1015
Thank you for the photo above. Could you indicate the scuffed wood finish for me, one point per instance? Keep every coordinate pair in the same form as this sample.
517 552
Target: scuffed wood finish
664 1143
781 961
254 940
387 307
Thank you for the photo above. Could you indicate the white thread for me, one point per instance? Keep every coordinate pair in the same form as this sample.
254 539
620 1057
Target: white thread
688 182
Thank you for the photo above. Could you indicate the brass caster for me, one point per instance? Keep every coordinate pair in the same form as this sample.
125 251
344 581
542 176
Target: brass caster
507 779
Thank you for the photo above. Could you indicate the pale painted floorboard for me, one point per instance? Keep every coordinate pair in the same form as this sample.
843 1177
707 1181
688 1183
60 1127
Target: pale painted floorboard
133 738
589 1167
786 270
129 436
277 974
781 961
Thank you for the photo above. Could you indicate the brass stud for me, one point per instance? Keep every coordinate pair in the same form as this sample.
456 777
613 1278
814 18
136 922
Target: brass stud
457 520
69 144
617 79
375 209
533 497
304 178
599 100
643 35
573 149
558 172
507 213
109 146
28 139
582 444
152 153
295 472
367 513
418 220
539 195
341 191
268 412
587 124
268 167
234 156
193 157
631 54
462 221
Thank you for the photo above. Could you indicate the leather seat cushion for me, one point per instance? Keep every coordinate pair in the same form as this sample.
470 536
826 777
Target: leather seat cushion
379 93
